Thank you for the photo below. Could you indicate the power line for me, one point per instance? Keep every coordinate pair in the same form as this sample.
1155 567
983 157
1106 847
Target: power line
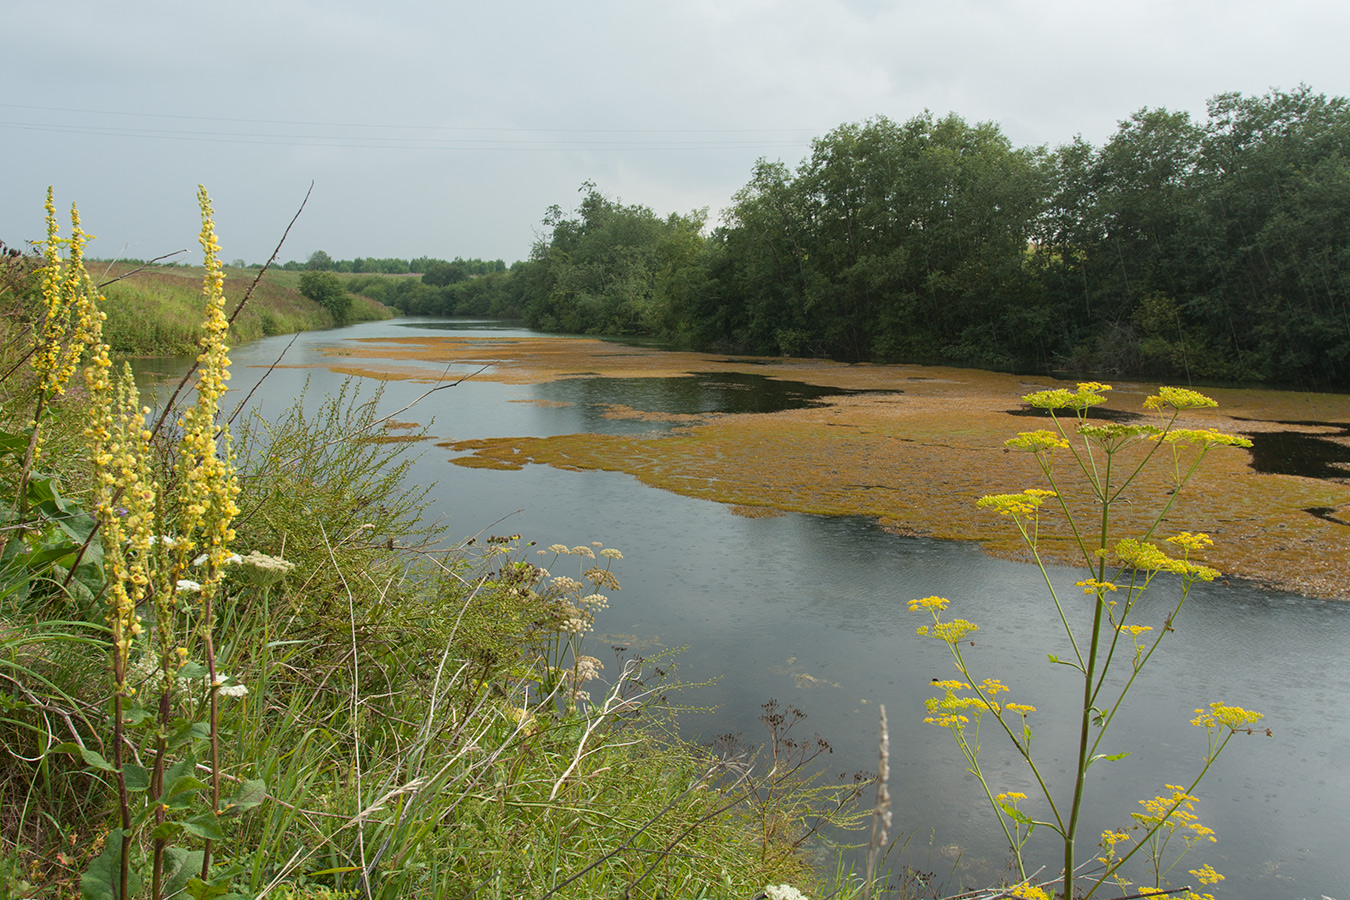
444 128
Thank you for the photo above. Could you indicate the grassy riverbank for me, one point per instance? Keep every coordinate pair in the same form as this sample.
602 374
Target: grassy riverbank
361 710
155 310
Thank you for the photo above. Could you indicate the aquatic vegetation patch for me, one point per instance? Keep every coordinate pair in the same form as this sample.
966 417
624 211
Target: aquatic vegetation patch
909 446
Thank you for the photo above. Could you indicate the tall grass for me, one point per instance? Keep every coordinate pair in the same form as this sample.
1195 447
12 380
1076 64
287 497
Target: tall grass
155 310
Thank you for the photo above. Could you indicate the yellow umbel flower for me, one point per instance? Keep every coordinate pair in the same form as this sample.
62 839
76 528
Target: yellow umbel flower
1019 506
1221 715
1036 441
1178 398
1206 874
1089 393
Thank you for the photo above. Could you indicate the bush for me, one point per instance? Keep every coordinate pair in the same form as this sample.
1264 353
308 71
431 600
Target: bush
325 289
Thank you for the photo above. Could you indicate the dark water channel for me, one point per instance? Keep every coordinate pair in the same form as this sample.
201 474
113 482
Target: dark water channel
811 611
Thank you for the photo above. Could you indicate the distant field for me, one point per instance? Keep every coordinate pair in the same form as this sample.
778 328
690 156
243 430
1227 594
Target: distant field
157 310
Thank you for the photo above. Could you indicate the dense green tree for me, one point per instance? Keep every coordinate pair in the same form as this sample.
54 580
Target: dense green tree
325 289
610 268
319 261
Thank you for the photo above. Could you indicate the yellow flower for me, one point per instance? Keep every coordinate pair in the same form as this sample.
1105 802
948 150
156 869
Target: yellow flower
1036 441
951 632
1178 398
1222 715
1191 542
1204 437
1206 874
1021 505
928 603
1089 393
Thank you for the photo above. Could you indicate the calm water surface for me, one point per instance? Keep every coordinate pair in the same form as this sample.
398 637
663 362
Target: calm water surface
811 611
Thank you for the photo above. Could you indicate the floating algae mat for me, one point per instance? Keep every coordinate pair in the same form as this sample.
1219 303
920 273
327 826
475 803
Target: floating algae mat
912 446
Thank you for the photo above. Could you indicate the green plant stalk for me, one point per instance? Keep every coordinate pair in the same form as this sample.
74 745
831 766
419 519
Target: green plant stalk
1085 723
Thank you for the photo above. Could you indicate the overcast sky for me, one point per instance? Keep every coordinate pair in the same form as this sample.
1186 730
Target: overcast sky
447 128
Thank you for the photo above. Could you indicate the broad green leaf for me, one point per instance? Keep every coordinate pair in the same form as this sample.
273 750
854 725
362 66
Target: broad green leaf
167 831
137 778
95 760
185 783
101 880
249 794
204 826
192 671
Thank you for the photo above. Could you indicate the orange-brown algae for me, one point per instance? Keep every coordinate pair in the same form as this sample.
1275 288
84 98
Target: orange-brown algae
915 456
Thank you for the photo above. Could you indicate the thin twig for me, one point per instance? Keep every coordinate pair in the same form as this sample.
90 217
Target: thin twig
173 398
137 270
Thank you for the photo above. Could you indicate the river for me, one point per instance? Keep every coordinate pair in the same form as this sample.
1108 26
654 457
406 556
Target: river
810 610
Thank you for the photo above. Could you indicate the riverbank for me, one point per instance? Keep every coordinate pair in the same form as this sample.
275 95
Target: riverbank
153 310
915 447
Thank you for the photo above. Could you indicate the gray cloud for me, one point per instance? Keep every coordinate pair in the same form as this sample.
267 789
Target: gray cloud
447 129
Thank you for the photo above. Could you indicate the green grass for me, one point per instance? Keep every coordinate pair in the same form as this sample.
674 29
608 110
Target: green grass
155 311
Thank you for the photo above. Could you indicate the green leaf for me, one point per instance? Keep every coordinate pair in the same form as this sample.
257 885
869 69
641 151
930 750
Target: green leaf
193 671
180 865
205 826
249 794
95 760
102 880
200 890
134 715
1016 815
183 784
137 778
13 444
1109 757
166 831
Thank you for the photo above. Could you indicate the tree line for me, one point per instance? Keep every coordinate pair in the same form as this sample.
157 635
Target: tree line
1213 250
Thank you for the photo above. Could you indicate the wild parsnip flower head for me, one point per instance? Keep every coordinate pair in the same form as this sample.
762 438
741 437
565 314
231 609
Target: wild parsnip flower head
1036 441
1147 557
1089 393
928 603
1028 891
1174 812
583 551
1178 398
611 553
1191 542
1019 506
1206 874
1203 437
1114 435
951 632
1093 586
1221 715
